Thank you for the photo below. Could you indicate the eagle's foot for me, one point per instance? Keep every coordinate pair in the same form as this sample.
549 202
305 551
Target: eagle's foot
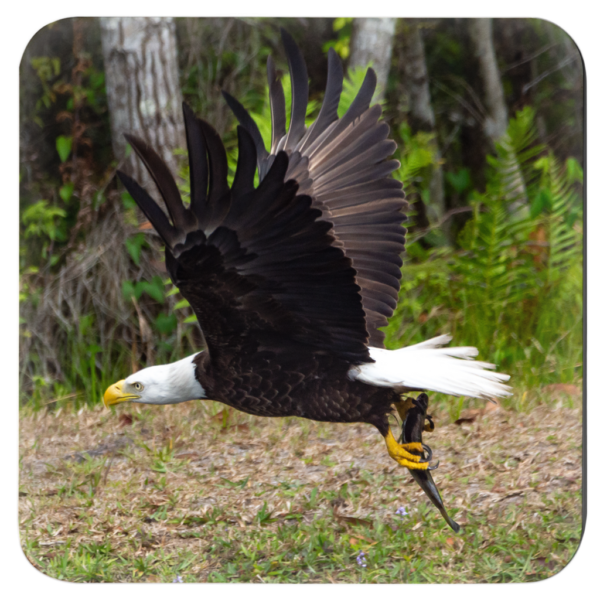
400 453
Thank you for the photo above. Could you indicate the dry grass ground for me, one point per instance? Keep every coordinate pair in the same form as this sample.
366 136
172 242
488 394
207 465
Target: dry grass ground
159 493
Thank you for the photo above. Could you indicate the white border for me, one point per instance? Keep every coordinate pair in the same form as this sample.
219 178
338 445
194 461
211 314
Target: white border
21 21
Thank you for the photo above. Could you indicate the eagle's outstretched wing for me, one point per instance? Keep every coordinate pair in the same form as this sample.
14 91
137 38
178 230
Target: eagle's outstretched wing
342 164
257 266
311 256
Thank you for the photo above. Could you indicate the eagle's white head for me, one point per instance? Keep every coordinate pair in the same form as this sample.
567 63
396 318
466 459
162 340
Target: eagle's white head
162 384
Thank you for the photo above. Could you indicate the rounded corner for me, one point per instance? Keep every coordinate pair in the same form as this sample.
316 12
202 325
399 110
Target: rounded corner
36 567
562 570
38 32
575 44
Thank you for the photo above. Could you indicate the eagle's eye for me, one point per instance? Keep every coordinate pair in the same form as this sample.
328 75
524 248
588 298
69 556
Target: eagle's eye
138 386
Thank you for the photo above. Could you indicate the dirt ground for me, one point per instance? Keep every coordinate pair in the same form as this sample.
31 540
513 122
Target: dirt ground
97 475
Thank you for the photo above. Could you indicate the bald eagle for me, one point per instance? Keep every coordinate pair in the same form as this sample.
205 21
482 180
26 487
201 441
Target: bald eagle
292 280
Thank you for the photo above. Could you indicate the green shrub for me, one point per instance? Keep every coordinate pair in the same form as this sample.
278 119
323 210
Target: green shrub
514 286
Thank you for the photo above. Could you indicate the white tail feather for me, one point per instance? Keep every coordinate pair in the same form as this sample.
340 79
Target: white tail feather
429 367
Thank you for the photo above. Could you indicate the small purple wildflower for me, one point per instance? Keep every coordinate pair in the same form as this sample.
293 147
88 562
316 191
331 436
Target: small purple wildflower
361 560
402 511
178 579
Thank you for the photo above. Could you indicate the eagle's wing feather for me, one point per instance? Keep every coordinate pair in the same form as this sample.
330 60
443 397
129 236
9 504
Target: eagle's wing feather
342 164
277 101
299 77
258 266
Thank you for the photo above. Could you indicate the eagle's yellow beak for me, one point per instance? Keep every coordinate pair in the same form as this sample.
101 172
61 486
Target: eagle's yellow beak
114 394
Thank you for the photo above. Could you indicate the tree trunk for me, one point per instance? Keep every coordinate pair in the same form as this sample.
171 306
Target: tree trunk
496 123
142 85
480 31
422 117
372 41
417 78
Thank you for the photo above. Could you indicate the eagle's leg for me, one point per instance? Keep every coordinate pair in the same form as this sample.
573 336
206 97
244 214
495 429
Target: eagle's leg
404 406
400 452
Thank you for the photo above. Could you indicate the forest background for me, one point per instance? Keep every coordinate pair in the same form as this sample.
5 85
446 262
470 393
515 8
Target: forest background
489 120
488 116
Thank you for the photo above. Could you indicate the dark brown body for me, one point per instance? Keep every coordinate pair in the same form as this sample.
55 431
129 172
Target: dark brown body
305 385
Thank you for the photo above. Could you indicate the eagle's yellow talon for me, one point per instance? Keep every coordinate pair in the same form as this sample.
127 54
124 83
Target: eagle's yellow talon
413 466
418 446
400 453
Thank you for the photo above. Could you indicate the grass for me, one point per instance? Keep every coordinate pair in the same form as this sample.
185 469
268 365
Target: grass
195 492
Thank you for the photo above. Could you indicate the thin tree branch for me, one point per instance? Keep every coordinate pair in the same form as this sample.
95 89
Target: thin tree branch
460 100
559 66
447 215
529 58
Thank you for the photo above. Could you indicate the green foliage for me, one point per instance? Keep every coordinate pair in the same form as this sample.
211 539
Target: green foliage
42 220
165 323
43 225
66 191
128 201
47 68
92 366
61 95
460 181
343 28
560 211
417 160
511 170
514 286
63 146
134 247
154 288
